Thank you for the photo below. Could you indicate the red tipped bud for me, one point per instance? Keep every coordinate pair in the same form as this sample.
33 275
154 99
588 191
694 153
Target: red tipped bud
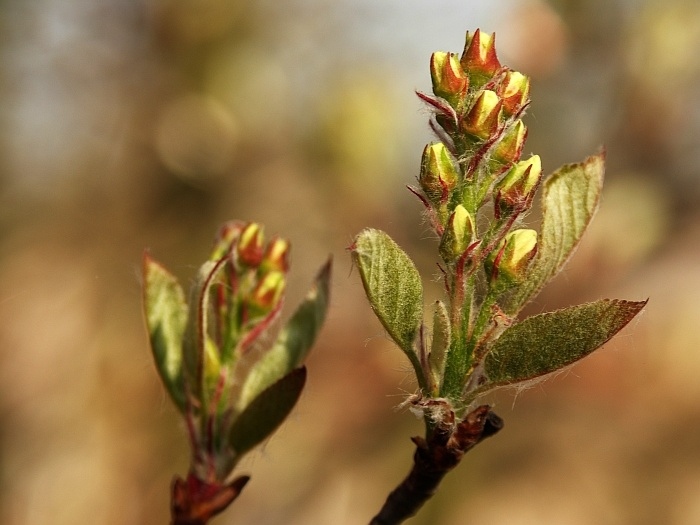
479 59
449 79
250 245
483 118
509 262
277 255
514 91
227 235
439 173
268 292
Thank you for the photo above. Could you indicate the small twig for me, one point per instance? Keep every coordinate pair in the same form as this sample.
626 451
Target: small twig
433 459
195 502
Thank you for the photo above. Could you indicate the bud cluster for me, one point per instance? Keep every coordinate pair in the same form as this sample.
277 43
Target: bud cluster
478 101
478 105
250 285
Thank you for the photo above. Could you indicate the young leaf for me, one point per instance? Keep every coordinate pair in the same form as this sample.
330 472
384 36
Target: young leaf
570 200
200 355
441 341
294 341
166 317
547 342
392 284
266 412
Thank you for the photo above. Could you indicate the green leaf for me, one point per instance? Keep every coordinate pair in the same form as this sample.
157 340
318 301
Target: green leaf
570 200
545 343
294 340
393 286
166 318
266 412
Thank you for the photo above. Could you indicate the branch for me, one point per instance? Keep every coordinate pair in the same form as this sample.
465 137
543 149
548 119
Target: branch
433 459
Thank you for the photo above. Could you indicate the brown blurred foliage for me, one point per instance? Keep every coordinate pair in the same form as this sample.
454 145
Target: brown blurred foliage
138 124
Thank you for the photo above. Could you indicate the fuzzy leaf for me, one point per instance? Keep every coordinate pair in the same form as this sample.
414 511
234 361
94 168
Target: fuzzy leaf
166 318
570 200
294 340
441 341
266 412
393 286
545 343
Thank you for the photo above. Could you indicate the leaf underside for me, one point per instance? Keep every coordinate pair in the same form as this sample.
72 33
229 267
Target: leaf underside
392 284
548 342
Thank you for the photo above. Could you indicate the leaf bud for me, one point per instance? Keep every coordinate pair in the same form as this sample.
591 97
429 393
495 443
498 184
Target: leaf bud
439 173
459 234
449 79
516 187
479 58
250 245
483 118
508 263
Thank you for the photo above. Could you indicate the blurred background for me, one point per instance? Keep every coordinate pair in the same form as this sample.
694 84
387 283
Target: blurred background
133 124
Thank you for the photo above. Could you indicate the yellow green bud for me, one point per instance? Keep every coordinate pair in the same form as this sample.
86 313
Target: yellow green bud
439 174
516 187
510 147
509 262
483 118
458 235
449 79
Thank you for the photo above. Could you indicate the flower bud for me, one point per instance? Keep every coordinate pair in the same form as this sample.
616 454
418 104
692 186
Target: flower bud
227 235
508 263
449 79
267 292
439 173
250 245
277 255
459 234
510 147
514 90
516 186
483 117
479 59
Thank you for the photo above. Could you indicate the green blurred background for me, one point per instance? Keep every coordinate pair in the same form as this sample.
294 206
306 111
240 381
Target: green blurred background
132 124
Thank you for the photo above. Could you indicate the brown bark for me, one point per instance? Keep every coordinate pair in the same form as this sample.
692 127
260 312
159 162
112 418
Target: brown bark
433 459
